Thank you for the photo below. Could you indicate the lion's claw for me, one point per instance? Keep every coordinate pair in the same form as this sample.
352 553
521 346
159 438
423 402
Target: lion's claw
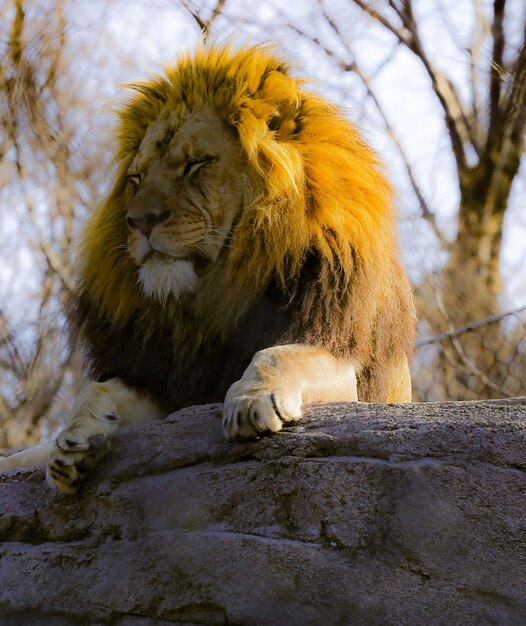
67 467
249 413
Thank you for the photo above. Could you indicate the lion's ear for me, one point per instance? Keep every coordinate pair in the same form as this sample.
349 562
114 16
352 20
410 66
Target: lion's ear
284 96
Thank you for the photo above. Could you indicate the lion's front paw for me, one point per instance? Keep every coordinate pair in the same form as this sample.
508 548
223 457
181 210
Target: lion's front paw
251 412
78 449
67 468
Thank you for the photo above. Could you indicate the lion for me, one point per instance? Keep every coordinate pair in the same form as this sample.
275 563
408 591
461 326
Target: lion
247 252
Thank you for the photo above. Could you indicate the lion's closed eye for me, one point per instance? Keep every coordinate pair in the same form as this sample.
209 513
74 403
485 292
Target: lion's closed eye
192 166
135 181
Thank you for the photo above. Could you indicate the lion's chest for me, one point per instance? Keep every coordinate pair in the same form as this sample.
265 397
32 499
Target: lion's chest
176 375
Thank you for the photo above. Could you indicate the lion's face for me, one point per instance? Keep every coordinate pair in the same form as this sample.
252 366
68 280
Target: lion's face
186 186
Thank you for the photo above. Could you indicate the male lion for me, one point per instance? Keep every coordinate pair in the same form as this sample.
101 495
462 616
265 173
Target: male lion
247 248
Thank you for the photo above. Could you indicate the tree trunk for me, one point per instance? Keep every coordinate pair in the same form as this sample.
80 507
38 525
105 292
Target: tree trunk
474 365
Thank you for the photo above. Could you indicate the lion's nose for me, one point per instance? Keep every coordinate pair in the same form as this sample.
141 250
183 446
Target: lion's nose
147 223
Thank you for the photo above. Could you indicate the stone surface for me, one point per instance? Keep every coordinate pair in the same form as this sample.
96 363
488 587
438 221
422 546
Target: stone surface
361 514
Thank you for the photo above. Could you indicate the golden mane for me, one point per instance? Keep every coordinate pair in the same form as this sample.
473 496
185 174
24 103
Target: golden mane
321 189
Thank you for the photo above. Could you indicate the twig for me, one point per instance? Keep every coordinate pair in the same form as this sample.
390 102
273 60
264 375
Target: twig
467 328
455 116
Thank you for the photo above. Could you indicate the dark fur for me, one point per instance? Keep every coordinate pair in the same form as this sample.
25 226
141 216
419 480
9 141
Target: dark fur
167 365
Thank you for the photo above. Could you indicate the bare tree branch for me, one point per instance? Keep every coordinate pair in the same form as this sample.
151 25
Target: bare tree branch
481 31
516 104
402 34
455 332
48 172
216 12
204 25
455 116
496 72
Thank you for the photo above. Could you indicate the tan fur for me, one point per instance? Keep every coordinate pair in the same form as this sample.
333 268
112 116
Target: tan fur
279 381
99 413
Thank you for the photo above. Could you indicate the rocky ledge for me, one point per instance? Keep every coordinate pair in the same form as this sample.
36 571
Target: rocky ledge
359 515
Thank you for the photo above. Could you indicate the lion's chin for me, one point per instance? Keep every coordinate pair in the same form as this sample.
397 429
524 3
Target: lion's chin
163 277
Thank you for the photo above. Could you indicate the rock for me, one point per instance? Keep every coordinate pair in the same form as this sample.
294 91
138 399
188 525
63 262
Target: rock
359 515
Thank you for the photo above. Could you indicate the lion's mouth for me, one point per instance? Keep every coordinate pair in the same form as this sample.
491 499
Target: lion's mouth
155 255
198 258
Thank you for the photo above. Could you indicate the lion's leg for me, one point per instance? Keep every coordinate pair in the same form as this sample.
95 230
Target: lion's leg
37 455
100 411
278 381
399 385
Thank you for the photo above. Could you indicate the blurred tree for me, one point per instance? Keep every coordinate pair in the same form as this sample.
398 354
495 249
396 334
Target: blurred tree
60 62
45 180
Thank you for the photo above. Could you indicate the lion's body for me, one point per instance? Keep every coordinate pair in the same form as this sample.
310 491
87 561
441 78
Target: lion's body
314 258
247 214
170 367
